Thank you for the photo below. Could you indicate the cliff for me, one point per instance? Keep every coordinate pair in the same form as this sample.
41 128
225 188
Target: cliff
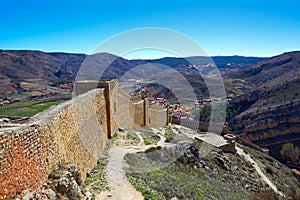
271 107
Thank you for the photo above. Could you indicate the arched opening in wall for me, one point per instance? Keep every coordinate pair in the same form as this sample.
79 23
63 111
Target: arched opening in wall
115 107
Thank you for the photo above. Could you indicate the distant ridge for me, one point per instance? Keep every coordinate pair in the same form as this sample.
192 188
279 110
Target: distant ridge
30 66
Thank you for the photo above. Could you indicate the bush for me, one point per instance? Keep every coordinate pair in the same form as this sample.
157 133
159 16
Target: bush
169 134
269 170
289 152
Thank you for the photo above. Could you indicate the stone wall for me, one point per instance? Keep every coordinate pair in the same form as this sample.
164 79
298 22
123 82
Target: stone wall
72 132
110 92
124 110
137 112
158 117
22 163
129 113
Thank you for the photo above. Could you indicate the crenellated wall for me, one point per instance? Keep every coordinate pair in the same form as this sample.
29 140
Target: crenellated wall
74 132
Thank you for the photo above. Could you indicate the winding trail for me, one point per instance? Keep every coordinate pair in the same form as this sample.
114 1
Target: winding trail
242 153
248 158
162 138
120 187
140 138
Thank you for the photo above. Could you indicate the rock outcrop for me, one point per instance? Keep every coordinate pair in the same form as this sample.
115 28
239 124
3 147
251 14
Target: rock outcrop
271 107
64 182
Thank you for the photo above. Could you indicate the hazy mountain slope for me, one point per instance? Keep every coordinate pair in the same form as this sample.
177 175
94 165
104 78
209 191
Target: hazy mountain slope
36 68
220 61
32 67
271 98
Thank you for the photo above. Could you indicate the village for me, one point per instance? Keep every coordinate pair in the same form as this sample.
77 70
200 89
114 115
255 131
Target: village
176 111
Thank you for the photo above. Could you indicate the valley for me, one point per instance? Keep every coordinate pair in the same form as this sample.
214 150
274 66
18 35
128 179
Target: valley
263 93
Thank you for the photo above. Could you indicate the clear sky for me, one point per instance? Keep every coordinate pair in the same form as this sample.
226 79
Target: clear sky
221 27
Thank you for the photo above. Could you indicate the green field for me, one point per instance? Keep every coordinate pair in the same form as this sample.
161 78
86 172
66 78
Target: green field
28 108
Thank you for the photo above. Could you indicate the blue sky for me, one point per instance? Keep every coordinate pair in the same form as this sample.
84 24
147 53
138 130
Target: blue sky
221 27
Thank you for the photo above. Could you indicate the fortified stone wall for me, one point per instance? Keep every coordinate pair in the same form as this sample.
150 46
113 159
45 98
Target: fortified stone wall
129 112
137 111
72 132
158 117
110 91
123 110
22 163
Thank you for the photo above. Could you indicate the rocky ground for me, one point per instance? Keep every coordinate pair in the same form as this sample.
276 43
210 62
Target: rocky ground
173 168
168 163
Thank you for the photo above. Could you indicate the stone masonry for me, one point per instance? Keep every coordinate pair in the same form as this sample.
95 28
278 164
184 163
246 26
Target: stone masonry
74 132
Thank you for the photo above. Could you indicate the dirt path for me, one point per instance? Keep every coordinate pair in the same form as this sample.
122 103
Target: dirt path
140 138
120 188
248 158
257 168
162 140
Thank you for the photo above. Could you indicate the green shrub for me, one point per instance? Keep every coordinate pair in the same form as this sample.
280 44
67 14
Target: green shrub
169 134
269 170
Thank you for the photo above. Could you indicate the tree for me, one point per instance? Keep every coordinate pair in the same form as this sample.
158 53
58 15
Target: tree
289 152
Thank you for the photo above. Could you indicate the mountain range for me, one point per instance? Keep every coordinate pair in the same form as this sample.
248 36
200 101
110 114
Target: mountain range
23 67
266 90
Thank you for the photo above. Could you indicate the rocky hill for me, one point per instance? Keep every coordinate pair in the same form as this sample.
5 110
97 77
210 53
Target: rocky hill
168 163
33 68
271 105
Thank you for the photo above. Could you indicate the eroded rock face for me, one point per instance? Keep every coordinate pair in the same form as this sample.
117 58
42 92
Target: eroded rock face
259 124
65 181
270 105
270 127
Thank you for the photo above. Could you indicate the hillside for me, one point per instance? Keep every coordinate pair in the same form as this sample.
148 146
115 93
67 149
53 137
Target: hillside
24 70
221 62
160 164
267 89
271 102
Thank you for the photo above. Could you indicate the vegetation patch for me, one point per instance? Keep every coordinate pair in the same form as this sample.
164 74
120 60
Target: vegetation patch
96 180
169 134
280 175
149 136
131 135
224 176
28 108
147 194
